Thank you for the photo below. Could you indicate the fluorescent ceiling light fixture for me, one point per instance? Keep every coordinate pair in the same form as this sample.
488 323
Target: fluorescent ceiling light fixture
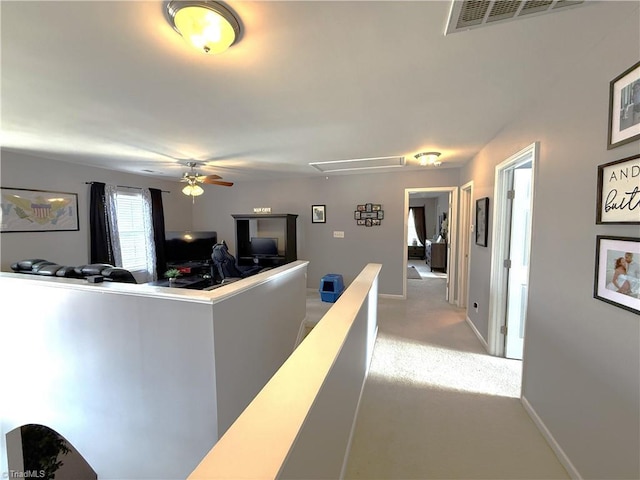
208 26
428 158
358 164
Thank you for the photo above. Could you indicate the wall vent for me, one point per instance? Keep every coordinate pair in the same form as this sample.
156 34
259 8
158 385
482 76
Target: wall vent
468 14
358 164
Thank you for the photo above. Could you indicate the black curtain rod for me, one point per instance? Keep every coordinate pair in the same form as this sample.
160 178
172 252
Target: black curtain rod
127 186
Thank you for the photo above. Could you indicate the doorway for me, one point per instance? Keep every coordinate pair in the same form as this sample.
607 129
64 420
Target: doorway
513 218
451 245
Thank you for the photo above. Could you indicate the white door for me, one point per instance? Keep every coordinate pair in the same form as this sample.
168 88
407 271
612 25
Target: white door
450 260
518 271
466 195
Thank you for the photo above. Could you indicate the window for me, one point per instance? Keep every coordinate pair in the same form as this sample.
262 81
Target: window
131 231
412 234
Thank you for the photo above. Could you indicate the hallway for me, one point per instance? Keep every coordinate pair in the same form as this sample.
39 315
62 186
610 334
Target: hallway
436 406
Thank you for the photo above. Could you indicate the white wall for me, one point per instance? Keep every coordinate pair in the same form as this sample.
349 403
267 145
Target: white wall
430 212
110 372
582 356
142 379
72 248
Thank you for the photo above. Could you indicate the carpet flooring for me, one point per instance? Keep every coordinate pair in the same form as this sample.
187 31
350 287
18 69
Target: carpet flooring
435 405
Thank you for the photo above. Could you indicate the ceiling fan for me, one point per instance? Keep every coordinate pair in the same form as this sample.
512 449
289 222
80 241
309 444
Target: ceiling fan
193 178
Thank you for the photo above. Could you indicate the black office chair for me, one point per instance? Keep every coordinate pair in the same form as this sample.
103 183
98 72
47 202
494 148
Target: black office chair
224 264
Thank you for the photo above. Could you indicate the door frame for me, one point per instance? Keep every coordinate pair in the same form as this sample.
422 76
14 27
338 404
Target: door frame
452 243
500 243
466 221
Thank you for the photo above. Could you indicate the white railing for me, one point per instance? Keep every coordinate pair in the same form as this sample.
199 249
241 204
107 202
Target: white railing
301 422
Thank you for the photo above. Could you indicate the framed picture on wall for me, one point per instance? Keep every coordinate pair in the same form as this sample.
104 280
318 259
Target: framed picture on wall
617 277
25 210
318 214
619 192
482 221
624 107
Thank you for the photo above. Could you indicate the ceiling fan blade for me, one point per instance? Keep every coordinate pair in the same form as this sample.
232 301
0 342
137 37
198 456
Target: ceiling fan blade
218 182
204 178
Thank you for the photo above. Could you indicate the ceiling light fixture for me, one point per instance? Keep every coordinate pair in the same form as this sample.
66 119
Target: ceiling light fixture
208 26
428 158
193 190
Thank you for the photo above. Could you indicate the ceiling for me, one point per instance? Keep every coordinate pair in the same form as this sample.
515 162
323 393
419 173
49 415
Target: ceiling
110 84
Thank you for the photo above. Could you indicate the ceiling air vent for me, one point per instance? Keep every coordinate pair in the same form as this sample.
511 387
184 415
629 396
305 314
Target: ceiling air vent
468 14
358 164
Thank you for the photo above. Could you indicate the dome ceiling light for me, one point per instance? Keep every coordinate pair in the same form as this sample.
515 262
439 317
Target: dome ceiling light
208 26
428 159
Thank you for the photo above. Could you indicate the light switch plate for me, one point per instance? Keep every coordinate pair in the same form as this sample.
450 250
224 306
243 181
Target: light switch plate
338 234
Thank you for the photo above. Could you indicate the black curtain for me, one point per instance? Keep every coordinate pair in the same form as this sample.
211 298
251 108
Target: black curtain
101 248
157 214
418 217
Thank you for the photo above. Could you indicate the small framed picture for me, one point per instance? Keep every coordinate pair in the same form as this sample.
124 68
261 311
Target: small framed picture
482 221
380 214
376 207
318 214
617 277
619 192
357 214
375 222
369 207
361 222
624 108
361 208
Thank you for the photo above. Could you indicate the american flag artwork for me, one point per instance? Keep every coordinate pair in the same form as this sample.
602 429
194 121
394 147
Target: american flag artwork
41 210
23 210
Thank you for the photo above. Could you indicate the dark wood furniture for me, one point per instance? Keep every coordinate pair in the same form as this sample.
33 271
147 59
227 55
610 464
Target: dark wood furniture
280 226
436 255
416 251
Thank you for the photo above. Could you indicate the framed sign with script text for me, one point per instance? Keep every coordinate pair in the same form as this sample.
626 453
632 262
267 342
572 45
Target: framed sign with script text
619 192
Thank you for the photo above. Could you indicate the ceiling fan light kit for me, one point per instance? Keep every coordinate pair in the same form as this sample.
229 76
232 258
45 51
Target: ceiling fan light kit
208 26
193 178
193 190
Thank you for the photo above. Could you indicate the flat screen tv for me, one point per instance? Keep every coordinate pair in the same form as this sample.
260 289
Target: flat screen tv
187 246
264 247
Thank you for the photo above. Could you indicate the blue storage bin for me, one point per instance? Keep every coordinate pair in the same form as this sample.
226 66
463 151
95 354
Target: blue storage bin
331 287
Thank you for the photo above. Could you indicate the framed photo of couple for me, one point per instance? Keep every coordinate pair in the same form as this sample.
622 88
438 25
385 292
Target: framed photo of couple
617 275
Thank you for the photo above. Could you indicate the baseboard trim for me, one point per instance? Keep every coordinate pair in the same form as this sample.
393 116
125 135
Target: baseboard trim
562 456
389 295
475 330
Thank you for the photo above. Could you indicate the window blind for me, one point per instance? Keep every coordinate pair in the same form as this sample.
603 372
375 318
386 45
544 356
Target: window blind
131 230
